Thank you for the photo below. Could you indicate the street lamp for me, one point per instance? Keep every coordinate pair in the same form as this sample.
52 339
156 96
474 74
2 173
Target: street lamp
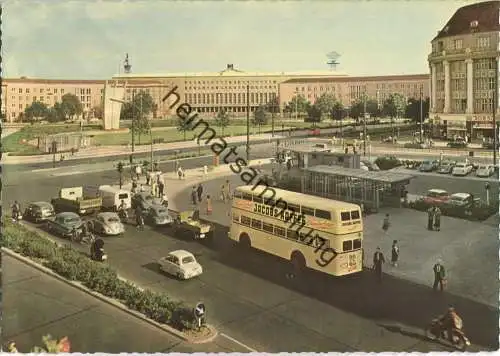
421 114
150 126
364 123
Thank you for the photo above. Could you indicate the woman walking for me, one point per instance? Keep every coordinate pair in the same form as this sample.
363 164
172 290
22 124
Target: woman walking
209 205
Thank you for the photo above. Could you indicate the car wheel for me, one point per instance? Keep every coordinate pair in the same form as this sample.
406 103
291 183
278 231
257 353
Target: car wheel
180 276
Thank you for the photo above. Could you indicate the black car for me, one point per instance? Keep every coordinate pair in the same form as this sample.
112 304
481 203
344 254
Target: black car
457 144
39 211
145 201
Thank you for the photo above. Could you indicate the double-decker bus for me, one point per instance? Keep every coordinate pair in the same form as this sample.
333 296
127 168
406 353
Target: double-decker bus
309 231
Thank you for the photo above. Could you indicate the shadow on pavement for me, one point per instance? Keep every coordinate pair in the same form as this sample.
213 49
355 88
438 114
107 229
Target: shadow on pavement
397 300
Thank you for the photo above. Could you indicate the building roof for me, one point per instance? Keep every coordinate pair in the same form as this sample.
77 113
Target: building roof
485 13
360 79
379 176
52 81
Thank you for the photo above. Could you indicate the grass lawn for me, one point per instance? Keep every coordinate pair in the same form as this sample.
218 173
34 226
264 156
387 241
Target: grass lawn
174 135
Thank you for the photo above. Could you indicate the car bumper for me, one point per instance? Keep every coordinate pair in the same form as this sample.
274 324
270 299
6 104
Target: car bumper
163 222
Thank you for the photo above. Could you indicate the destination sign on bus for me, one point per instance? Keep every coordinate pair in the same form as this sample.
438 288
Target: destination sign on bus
282 214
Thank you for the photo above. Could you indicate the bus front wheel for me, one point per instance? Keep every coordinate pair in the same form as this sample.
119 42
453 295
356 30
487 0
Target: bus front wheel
244 242
298 262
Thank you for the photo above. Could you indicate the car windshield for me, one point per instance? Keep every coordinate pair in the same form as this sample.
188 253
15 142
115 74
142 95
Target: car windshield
436 194
444 164
483 167
72 220
458 199
460 165
161 212
188 259
427 162
113 219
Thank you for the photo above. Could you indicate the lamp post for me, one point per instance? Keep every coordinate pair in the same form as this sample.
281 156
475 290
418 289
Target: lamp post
495 108
364 124
421 114
248 123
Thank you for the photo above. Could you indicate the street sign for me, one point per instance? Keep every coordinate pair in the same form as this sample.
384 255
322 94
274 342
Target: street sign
199 313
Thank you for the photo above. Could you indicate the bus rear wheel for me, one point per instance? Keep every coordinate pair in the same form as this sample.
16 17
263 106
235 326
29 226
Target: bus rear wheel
245 243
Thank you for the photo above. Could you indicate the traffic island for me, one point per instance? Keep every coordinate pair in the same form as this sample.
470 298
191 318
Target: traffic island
34 248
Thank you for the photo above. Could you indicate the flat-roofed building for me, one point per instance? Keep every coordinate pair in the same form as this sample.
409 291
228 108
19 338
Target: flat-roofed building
350 89
464 71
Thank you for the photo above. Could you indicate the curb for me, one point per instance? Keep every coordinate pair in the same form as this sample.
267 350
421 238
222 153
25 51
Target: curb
172 331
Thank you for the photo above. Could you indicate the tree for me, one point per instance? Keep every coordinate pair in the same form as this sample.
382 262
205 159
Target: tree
412 110
98 111
325 103
313 114
273 106
394 106
260 116
138 109
36 111
222 120
338 111
357 109
71 105
298 104
183 126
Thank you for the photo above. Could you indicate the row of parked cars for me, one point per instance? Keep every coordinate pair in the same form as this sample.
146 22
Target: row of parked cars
441 196
462 168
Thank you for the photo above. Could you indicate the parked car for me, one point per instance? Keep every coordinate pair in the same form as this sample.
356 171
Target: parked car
65 224
485 171
145 200
189 222
446 167
457 144
367 165
428 166
158 215
39 211
180 263
461 169
108 223
463 200
436 196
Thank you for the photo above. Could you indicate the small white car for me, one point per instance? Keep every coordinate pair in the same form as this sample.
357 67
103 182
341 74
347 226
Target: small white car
108 223
461 169
464 200
180 263
485 171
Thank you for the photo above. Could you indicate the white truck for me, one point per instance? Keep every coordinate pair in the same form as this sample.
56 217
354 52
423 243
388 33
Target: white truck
111 196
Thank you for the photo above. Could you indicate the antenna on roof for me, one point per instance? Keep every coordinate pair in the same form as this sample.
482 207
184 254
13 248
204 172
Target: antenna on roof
127 67
332 60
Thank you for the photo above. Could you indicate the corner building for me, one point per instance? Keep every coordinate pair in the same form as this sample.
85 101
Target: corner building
464 72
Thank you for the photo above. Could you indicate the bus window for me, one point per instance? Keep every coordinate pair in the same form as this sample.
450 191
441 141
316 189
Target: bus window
236 218
294 208
345 216
347 245
269 202
237 194
247 196
292 234
356 244
307 211
323 214
355 215
257 224
245 220
267 228
257 199
279 231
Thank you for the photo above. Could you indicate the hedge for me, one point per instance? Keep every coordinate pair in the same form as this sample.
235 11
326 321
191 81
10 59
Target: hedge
480 212
99 277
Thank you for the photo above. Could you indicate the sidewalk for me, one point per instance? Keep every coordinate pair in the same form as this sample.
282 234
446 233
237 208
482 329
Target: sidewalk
103 151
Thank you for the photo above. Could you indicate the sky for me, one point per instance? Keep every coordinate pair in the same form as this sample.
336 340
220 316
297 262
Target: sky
89 39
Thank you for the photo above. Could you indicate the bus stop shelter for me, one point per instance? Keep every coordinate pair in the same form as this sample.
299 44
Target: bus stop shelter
371 189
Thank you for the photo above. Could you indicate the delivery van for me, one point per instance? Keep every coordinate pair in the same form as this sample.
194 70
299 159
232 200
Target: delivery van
113 196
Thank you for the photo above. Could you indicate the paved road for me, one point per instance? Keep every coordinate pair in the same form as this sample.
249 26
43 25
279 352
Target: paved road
249 299
35 304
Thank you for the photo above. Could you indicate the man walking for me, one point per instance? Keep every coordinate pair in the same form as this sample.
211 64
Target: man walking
430 219
199 191
194 196
228 189
161 188
386 223
378 261
395 253
439 276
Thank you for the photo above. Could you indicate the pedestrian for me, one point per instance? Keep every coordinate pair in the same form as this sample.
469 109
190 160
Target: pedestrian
378 261
151 177
223 193
161 188
154 188
141 189
199 191
439 276
386 223
209 205
180 172
177 165
134 186
138 171
205 170
139 218
148 178
430 219
194 196
395 253
437 218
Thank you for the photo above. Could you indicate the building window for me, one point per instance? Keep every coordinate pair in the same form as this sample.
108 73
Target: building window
483 42
55 90
21 106
62 91
457 44
20 90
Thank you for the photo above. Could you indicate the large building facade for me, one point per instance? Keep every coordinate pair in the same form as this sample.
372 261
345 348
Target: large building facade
350 89
464 71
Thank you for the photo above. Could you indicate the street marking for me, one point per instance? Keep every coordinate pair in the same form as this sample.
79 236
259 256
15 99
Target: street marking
238 342
67 173
44 170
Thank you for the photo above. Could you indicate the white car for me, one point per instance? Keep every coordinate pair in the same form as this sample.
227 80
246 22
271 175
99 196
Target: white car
461 169
465 200
108 223
180 263
485 171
